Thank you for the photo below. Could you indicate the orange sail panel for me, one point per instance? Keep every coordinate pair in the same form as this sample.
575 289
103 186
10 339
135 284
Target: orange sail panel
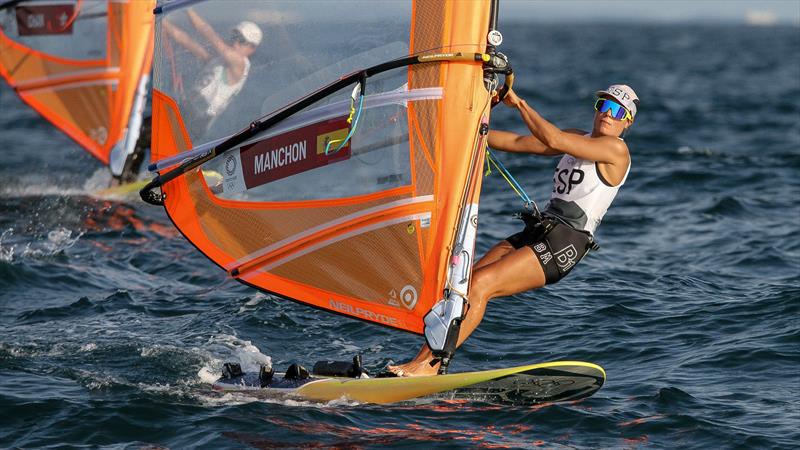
82 64
353 204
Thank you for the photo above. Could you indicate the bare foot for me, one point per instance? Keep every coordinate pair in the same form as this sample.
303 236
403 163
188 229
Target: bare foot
414 369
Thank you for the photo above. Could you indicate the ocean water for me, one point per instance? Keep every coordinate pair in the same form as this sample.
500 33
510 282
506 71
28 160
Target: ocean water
113 324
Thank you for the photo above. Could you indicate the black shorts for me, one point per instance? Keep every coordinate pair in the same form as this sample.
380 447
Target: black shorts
557 246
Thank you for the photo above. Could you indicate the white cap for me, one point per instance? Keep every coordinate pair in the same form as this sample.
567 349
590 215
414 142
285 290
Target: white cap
624 95
250 32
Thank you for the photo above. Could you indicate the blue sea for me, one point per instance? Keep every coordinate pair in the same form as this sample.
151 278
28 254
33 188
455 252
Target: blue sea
113 324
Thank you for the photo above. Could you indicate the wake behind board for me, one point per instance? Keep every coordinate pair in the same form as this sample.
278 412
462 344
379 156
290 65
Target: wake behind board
523 385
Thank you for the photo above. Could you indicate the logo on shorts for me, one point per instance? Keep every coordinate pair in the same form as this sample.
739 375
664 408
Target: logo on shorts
566 257
544 255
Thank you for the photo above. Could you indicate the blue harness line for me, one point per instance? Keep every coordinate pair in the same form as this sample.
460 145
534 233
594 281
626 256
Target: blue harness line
491 159
351 120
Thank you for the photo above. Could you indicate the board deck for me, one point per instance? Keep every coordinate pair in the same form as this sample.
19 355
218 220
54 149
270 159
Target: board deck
123 190
133 188
523 385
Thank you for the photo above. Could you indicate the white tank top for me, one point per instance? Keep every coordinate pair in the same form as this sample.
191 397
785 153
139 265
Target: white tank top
216 91
580 195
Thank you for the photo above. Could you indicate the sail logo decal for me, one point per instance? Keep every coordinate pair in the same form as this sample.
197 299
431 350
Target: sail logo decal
44 19
408 295
230 165
349 309
288 154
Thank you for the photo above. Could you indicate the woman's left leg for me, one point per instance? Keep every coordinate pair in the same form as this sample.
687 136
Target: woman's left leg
495 253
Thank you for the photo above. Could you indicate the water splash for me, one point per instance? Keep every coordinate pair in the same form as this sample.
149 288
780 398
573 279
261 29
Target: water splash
6 250
100 179
226 348
57 241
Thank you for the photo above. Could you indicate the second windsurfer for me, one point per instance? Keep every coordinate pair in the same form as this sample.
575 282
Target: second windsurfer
223 75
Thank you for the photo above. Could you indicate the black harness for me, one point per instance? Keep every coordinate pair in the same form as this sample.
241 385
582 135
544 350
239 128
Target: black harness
540 225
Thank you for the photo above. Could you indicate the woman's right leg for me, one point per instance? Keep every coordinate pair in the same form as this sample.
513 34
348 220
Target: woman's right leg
516 271
510 273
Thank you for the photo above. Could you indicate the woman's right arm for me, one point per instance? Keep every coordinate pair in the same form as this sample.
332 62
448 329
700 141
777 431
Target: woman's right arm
234 61
507 141
185 41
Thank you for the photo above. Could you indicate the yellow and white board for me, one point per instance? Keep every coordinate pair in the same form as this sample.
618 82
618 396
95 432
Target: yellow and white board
531 384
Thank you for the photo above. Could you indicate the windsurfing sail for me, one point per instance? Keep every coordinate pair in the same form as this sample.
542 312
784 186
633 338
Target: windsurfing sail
345 174
83 65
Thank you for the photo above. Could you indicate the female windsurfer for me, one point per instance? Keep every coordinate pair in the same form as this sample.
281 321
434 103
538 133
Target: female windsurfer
592 169
224 74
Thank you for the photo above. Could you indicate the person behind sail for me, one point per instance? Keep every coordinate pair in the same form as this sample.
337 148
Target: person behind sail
592 169
224 74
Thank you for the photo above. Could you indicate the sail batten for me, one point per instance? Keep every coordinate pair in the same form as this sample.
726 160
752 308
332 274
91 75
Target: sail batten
353 225
325 241
333 225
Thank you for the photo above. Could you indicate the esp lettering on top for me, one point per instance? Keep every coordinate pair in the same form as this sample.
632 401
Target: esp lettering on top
619 93
564 180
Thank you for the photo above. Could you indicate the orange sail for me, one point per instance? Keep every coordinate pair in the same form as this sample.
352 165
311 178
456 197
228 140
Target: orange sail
362 202
83 65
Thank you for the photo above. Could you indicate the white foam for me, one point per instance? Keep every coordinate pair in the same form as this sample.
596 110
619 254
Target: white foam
686 150
226 348
159 350
7 250
251 304
346 347
36 186
207 376
40 190
57 241
90 347
96 381
100 179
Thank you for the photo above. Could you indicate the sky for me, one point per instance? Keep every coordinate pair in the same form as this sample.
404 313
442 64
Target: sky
731 11
668 11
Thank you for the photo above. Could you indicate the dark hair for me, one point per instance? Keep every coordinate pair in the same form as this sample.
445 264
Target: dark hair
237 36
